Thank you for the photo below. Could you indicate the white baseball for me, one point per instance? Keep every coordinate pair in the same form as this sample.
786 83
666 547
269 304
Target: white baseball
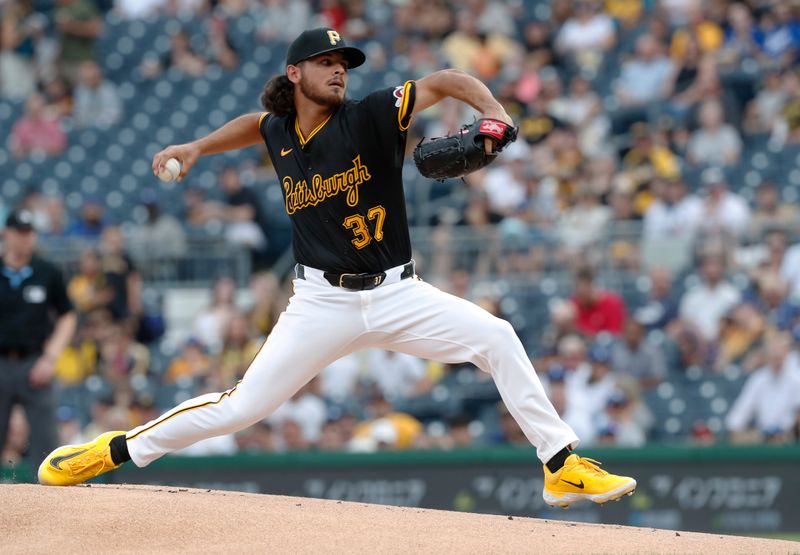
171 171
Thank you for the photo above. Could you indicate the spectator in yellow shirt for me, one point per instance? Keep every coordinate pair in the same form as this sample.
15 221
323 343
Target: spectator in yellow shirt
191 362
238 349
648 159
89 289
628 12
77 361
708 34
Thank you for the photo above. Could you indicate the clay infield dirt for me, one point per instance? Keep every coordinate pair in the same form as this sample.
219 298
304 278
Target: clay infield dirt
163 519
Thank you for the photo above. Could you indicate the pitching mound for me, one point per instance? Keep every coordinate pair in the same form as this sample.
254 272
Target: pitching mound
97 519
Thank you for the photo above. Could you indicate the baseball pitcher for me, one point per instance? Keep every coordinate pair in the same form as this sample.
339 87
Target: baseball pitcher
340 163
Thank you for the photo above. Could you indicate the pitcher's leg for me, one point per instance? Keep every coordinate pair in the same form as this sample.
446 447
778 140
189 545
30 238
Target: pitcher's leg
423 321
303 342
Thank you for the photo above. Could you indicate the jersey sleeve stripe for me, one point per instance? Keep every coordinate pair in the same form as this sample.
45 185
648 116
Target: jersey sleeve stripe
407 106
262 118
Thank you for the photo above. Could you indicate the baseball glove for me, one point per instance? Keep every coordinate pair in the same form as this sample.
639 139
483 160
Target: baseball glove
463 152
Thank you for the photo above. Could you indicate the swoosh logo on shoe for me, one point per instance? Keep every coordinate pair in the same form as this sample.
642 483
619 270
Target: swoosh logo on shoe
284 152
579 486
56 461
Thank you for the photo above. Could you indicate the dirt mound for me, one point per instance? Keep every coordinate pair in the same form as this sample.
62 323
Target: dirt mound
98 519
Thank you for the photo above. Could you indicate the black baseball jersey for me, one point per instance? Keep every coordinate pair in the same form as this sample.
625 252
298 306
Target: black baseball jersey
30 300
342 185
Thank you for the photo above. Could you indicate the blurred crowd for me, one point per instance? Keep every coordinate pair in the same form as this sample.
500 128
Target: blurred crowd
676 121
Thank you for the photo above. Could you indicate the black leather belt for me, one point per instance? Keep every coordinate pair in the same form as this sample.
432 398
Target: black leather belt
358 282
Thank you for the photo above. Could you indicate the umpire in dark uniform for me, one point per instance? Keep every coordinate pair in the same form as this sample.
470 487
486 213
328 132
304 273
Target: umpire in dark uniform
36 323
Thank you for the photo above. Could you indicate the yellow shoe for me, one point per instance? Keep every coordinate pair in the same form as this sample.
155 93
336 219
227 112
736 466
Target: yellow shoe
74 464
581 479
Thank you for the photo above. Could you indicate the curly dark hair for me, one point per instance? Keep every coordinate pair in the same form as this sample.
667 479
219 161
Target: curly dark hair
278 96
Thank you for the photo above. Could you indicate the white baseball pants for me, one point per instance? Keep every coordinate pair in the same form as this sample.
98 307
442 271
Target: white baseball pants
323 323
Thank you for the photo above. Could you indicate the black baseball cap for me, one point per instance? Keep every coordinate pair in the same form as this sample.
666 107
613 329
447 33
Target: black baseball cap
314 42
21 220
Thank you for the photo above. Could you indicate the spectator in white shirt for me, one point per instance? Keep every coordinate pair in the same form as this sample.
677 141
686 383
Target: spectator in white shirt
569 402
602 382
645 78
97 103
707 302
715 143
767 407
397 375
340 380
495 17
677 12
583 109
724 212
578 370
586 36
306 409
281 20
209 325
618 425
581 225
676 213
505 183
139 9
790 270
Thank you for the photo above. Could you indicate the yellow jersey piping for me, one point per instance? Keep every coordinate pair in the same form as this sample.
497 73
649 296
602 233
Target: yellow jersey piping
401 113
186 409
304 140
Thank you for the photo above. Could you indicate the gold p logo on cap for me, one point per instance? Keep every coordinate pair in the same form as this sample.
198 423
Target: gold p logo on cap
334 37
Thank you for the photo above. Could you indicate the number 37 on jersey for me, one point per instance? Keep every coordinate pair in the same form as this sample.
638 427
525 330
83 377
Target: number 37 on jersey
360 226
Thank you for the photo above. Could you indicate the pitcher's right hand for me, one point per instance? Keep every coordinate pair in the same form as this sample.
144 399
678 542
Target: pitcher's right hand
187 154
